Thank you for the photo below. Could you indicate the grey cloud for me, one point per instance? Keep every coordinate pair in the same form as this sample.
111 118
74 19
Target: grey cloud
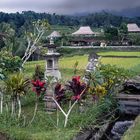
67 6
94 5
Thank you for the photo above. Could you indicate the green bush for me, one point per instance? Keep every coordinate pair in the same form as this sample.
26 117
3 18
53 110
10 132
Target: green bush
9 63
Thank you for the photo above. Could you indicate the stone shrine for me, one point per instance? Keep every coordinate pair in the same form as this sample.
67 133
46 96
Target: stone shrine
52 57
93 61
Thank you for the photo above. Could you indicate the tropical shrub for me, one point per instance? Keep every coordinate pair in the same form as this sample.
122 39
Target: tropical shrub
71 91
76 87
106 81
9 63
38 87
16 86
59 92
113 77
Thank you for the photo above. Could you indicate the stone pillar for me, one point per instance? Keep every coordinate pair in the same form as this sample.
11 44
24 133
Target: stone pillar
52 58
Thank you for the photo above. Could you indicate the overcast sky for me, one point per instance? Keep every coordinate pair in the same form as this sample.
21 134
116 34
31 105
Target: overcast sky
66 6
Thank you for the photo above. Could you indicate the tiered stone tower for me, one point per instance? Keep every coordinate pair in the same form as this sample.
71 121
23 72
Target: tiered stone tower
52 57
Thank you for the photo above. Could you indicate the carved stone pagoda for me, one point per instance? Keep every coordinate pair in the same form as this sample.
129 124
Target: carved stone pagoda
52 57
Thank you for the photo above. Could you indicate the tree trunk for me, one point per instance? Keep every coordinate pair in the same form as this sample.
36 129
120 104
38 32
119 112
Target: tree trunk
19 106
66 120
12 107
35 110
1 103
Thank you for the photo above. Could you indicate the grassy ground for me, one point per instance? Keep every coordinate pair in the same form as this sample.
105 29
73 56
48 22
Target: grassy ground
44 126
126 63
120 53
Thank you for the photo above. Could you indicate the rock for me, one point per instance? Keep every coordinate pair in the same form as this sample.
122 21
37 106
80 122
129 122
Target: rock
132 86
86 135
93 134
119 128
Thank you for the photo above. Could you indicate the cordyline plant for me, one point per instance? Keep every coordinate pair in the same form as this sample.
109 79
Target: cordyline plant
16 86
77 88
38 88
59 92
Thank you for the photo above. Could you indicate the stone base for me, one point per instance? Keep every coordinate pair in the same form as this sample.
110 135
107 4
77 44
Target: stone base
54 73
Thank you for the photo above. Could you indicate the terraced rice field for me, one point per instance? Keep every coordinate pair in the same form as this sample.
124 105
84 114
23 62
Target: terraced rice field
66 63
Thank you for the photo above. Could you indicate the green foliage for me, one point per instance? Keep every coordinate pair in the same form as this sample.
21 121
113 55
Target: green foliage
106 81
134 38
38 74
75 67
97 19
17 85
113 76
9 63
111 33
123 29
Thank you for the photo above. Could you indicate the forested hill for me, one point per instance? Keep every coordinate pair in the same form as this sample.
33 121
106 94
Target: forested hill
96 19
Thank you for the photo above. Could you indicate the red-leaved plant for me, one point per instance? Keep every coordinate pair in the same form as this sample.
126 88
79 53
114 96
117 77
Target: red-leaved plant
38 87
59 92
76 86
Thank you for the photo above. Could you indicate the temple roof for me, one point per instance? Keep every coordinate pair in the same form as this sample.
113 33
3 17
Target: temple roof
54 34
133 27
84 30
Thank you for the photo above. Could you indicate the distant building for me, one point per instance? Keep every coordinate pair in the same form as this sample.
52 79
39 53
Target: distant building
54 34
81 42
84 37
133 28
84 30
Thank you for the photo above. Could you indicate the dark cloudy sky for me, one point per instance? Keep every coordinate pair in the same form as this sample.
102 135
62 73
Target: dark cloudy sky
66 6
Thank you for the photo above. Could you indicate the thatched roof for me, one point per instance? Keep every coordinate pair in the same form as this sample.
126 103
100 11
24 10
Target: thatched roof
54 34
133 27
85 30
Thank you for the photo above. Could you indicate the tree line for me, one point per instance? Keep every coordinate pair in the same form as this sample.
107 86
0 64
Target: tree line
103 18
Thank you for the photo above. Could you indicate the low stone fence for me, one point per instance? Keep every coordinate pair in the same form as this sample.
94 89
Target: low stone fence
107 47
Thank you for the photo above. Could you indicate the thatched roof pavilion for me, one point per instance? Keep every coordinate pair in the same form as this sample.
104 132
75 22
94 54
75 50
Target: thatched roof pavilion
84 30
133 28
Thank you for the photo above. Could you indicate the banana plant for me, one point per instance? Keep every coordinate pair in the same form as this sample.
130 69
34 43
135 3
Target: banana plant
16 86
